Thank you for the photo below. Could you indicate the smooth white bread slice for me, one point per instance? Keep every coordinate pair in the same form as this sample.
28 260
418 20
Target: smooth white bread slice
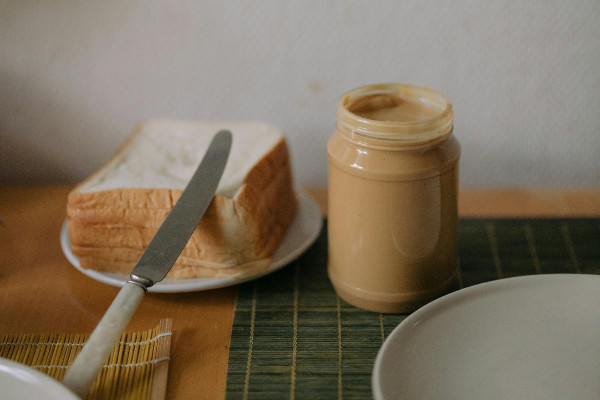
114 213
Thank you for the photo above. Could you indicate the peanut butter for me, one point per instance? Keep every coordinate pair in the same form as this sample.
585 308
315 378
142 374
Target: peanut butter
392 213
390 107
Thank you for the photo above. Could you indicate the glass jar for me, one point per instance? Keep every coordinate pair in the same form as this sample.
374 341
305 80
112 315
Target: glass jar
392 198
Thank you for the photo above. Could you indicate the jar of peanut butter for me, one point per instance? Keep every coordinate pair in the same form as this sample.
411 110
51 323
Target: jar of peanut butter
392 208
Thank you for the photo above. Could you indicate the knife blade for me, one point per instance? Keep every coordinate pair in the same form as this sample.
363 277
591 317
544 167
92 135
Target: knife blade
174 233
154 264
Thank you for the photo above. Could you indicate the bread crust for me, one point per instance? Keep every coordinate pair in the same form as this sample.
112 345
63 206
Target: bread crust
237 236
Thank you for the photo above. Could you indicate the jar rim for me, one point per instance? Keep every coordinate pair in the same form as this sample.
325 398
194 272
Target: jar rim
424 130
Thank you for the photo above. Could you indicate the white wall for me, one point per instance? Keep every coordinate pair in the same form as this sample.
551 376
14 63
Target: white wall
524 77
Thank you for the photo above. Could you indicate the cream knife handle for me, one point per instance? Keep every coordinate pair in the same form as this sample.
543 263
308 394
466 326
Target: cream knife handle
88 363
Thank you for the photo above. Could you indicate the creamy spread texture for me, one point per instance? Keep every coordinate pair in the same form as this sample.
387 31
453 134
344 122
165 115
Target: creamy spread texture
390 107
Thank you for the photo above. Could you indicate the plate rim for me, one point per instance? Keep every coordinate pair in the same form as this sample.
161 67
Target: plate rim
434 307
45 381
306 205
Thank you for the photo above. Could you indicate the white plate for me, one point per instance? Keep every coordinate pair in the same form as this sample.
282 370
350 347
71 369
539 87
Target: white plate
18 381
532 337
303 232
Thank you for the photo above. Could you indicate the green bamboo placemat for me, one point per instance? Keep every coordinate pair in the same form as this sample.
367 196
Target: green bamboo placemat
294 338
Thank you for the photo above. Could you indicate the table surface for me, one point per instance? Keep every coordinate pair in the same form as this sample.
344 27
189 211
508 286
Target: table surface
41 292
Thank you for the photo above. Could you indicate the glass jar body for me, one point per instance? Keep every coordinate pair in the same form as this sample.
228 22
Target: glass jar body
392 219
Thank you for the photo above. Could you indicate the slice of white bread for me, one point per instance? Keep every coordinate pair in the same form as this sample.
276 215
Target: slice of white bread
114 213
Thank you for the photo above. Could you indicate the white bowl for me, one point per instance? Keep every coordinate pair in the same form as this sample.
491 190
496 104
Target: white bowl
532 337
18 381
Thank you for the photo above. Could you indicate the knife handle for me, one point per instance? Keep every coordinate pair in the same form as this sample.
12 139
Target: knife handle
88 363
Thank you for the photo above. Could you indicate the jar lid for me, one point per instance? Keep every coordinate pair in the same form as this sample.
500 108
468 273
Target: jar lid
400 113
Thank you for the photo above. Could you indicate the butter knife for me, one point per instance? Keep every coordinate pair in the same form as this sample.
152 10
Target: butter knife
154 264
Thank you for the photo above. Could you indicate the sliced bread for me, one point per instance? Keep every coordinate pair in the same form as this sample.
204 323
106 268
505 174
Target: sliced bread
114 213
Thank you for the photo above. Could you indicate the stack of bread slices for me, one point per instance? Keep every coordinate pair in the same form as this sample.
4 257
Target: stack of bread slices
114 213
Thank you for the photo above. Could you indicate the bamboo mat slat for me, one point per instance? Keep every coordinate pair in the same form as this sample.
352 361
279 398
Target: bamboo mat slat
294 338
137 367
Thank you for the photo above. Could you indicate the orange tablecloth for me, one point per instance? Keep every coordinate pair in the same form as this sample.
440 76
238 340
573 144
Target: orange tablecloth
40 292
